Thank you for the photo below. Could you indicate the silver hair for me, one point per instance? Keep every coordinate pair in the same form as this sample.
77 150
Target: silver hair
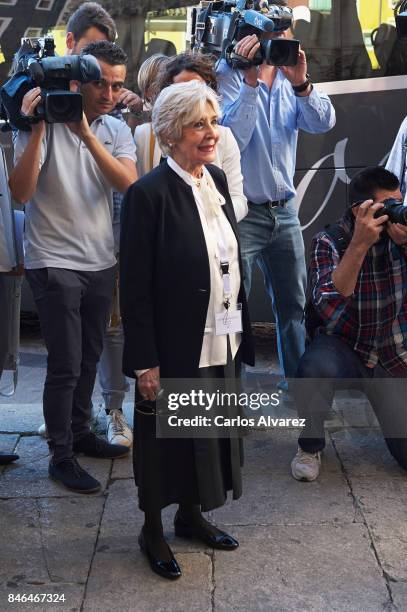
177 106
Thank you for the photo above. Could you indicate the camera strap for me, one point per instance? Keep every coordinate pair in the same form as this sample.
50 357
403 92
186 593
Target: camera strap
201 22
228 42
403 169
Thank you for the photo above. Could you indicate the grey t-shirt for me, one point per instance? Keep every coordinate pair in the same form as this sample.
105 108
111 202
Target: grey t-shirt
68 221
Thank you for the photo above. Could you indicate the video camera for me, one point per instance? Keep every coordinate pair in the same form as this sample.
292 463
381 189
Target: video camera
217 27
36 65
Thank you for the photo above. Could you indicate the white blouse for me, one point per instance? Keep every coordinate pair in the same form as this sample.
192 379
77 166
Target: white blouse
219 237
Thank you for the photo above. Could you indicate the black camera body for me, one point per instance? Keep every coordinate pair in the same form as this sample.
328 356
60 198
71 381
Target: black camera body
37 66
395 210
218 26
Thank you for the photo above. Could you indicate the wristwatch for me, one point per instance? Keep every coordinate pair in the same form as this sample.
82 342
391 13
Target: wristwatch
303 87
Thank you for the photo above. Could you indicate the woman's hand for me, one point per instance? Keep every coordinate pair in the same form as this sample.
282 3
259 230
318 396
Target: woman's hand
149 384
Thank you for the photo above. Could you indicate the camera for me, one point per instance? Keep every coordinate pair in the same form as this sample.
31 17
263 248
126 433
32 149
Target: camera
395 209
36 65
217 27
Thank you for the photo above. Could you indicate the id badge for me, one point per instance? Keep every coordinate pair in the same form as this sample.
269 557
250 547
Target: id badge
229 321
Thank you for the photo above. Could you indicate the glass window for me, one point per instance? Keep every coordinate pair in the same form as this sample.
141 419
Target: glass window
320 5
351 39
33 33
165 31
45 5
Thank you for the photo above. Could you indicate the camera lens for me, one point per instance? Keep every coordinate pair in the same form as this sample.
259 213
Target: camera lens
280 51
63 106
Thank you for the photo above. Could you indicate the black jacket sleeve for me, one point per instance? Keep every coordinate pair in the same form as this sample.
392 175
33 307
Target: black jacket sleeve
137 268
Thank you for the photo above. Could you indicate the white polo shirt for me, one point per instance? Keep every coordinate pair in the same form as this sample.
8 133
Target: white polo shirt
68 221
7 255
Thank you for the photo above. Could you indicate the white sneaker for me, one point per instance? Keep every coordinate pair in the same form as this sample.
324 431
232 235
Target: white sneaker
118 432
305 466
42 430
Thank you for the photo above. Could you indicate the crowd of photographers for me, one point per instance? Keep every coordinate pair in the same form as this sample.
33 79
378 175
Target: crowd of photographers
71 176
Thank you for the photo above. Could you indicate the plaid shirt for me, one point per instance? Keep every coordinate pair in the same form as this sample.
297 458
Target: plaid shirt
373 320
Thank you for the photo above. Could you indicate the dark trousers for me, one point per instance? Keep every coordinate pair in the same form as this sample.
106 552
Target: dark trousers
73 307
327 360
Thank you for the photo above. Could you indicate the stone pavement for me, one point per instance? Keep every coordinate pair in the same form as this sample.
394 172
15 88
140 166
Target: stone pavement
339 543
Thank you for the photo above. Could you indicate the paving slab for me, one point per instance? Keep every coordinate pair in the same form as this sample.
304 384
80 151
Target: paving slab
273 450
300 568
41 544
278 499
29 476
363 452
126 582
383 504
21 418
120 572
123 469
399 593
69 543
22 556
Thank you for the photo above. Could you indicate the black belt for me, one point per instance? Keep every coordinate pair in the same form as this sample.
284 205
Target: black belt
271 203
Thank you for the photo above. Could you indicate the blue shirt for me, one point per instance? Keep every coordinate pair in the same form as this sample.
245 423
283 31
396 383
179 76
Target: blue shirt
265 123
397 158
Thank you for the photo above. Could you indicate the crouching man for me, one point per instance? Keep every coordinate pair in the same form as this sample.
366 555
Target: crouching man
359 293
66 173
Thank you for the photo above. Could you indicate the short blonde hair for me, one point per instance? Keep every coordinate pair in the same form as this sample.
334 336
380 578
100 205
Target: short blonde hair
177 106
147 75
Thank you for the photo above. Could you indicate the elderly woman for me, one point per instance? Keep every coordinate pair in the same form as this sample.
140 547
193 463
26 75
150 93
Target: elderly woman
176 221
179 69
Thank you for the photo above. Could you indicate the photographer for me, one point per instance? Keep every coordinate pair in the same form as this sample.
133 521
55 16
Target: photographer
67 173
265 107
89 23
361 301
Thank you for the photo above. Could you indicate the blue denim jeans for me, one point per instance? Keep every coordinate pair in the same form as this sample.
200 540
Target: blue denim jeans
329 364
111 378
272 238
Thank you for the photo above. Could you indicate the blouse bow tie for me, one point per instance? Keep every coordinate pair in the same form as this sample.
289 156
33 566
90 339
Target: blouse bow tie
211 198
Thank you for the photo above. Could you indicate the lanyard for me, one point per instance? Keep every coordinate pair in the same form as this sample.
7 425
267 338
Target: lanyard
224 268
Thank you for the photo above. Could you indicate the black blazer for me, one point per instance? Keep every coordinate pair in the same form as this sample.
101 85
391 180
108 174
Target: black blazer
165 277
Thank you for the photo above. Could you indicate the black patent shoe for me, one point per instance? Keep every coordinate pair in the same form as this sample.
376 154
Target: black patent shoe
220 540
6 458
167 569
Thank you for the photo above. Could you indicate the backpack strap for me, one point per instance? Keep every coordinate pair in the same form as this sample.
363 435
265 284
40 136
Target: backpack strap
311 318
340 237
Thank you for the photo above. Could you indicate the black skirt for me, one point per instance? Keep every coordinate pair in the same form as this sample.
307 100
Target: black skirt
188 471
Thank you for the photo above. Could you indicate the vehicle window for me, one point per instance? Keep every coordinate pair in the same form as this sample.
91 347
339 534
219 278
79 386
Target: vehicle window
350 39
165 31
